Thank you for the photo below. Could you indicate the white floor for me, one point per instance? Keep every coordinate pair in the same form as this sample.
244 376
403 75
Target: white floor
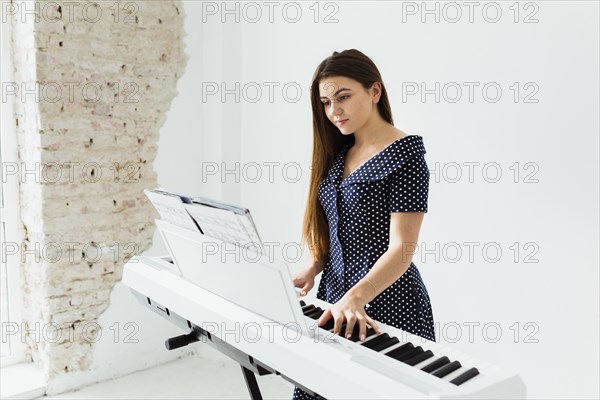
187 378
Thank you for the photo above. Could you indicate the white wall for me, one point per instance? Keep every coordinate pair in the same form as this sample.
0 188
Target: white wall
557 216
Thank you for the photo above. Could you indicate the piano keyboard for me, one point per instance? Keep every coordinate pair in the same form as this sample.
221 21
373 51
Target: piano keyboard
393 364
429 358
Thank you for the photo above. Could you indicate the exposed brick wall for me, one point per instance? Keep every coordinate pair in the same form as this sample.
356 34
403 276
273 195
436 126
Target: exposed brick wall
103 149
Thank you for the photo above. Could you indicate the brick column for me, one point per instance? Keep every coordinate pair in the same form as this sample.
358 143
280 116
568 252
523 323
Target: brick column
105 77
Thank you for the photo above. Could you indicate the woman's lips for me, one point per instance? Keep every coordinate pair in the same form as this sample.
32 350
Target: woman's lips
341 122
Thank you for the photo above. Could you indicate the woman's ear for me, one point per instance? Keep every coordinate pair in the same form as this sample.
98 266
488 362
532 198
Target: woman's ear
376 87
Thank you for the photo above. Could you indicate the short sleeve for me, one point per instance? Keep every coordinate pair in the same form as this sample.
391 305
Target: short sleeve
409 186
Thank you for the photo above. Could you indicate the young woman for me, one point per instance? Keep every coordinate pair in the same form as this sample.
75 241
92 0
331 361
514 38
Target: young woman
367 198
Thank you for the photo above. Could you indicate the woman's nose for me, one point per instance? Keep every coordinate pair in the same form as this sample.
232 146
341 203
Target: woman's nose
334 109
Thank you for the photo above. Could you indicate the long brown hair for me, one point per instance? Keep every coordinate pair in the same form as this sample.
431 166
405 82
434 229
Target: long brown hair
328 141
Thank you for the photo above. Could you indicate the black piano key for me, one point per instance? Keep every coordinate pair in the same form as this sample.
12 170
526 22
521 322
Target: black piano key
419 358
440 362
401 349
355 333
384 345
316 313
312 310
376 340
328 325
445 370
302 303
465 376
307 308
409 354
342 329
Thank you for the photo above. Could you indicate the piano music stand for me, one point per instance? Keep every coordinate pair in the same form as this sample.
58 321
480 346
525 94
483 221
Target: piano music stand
233 276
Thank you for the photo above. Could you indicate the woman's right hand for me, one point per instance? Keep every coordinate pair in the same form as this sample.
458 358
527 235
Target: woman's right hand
305 280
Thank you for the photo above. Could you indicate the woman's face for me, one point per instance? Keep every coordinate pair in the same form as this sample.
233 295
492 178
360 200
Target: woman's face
346 103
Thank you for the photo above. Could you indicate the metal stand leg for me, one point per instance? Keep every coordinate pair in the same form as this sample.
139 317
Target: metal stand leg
251 383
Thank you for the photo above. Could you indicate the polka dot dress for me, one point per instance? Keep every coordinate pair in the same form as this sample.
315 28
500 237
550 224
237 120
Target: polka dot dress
358 210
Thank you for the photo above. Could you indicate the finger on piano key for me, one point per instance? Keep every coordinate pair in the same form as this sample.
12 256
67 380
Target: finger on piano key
354 338
356 332
308 310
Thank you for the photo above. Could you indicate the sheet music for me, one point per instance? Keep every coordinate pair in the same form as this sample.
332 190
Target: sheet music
225 225
215 219
248 225
171 209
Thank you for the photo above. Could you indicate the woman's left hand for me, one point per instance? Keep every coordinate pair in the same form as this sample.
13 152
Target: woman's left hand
351 309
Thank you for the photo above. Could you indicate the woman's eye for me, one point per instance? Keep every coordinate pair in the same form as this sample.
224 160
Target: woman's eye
341 98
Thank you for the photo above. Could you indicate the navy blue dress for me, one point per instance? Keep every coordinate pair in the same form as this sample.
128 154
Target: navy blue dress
358 210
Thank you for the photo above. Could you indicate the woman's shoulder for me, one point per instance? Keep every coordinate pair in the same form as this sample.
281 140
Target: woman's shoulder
408 144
